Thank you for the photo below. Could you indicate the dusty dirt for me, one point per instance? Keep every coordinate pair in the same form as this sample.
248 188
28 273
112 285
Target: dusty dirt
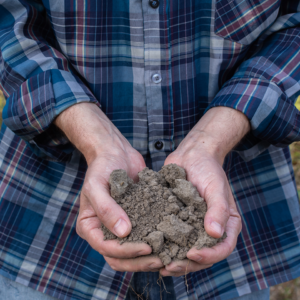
165 211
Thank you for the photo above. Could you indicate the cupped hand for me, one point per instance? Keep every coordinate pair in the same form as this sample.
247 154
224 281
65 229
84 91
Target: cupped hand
97 207
208 176
202 154
105 150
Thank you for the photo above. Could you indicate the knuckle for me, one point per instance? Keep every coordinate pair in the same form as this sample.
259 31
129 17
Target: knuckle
89 184
79 229
208 266
114 264
102 250
191 154
230 251
231 248
140 158
145 268
224 210
104 212
94 246
238 222
86 188
240 227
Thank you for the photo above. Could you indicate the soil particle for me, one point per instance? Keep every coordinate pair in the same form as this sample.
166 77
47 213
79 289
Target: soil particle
188 194
165 258
175 230
172 172
165 211
173 249
156 240
119 183
172 208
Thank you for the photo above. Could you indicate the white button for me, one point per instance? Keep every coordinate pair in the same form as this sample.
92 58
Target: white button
156 78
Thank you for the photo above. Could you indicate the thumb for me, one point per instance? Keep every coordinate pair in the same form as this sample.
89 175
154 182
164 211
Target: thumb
111 215
217 213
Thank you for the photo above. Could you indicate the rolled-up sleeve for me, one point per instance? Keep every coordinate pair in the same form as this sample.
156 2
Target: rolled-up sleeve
265 87
37 79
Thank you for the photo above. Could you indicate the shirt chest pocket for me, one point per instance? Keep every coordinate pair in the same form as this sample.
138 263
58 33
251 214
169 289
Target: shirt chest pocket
242 21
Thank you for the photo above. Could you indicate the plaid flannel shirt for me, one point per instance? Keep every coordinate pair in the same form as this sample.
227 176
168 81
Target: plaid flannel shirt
56 53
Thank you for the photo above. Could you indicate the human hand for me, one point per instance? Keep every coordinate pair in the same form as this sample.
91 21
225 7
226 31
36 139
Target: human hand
201 154
105 150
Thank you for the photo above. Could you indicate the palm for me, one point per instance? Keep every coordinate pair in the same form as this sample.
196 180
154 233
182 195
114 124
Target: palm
208 176
88 219
203 171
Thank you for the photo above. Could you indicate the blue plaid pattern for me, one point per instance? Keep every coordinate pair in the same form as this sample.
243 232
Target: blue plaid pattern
57 53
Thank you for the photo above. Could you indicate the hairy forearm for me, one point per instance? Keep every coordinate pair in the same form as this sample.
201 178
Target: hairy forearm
218 131
89 129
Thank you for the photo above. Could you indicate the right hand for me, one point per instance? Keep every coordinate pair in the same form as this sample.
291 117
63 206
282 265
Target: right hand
105 150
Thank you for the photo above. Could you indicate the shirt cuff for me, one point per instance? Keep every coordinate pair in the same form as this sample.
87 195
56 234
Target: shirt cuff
271 114
29 112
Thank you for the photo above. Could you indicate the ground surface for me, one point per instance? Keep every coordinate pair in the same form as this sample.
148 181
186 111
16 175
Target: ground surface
285 291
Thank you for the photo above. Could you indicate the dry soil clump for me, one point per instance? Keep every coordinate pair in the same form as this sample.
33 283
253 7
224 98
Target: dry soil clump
165 211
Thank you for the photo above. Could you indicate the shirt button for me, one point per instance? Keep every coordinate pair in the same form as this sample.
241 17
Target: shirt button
156 78
154 3
158 145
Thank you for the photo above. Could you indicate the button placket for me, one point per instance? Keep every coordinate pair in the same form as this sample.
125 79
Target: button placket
154 84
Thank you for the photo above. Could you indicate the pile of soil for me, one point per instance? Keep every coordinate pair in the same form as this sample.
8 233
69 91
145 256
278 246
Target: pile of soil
165 211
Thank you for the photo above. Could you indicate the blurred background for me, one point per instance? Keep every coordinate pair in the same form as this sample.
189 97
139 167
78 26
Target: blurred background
285 291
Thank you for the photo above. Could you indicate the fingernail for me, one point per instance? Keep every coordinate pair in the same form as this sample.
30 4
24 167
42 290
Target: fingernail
120 228
196 258
216 227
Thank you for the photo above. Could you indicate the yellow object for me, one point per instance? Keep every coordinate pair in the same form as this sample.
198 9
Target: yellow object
2 103
297 104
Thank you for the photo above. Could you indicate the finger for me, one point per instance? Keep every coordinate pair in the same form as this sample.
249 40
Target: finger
183 267
111 215
88 227
165 273
222 250
89 230
112 248
139 264
217 199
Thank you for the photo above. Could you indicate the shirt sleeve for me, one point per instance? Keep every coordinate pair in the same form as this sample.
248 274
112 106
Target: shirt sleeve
37 80
267 84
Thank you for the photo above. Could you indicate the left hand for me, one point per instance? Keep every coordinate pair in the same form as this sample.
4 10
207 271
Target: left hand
201 154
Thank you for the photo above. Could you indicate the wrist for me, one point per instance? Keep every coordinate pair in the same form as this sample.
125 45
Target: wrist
89 130
217 132
204 143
